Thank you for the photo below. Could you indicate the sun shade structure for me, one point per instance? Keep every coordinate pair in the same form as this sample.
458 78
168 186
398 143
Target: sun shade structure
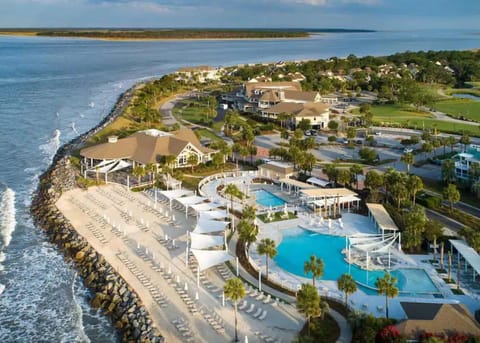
326 192
468 253
211 215
295 183
381 217
205 207
200 241
210 258
209 226
318 182
190 200
176 193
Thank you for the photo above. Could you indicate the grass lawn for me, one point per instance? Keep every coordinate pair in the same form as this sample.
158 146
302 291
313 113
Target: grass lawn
195 111
405 116
460 107
277 216
471 91
208 134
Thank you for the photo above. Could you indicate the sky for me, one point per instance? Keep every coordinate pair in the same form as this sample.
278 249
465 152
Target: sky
360 14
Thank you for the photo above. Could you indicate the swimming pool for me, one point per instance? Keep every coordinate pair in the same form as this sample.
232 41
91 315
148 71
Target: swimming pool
267 199
298 245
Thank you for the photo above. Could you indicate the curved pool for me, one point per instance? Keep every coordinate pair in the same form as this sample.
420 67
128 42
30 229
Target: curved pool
298 245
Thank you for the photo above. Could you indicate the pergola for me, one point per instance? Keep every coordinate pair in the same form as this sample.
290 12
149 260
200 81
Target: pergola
318 182
383 222
294 185
330 199
470 256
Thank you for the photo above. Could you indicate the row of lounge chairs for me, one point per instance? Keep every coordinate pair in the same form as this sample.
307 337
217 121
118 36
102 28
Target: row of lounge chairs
110 196
96 232
213 319
96 201
266 338
155 292
183 328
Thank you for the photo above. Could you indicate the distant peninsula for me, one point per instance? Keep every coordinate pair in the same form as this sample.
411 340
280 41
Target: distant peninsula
175 34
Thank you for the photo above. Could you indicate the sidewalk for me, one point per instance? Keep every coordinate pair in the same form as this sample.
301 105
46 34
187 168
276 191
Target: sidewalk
345 329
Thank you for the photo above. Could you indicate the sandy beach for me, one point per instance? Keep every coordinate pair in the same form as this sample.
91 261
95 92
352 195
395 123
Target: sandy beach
129 229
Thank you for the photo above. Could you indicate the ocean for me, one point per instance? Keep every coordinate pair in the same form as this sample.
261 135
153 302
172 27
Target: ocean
51 90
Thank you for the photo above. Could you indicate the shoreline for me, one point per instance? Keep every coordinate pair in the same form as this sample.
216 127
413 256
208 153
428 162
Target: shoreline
110 292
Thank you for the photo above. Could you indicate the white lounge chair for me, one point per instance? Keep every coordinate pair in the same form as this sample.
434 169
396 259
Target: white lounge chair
243 305
250 309
258 313
263 315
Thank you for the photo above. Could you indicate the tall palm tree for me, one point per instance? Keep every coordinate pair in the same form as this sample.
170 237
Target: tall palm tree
169 161
408 159
308 303
433 230
267 247
234 290
347 284
448 171
387 285
314 266
249 212
231 190
150 169
356 170
414 185
247 231
138 171
192 160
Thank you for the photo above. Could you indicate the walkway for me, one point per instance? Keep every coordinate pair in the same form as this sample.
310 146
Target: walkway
345 329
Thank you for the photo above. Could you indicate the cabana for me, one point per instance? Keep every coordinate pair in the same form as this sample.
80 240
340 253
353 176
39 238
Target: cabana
210 226
294 185
470 256
331 198
210 258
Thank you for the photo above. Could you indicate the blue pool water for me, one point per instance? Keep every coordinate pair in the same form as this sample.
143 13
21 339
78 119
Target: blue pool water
268 199
298 245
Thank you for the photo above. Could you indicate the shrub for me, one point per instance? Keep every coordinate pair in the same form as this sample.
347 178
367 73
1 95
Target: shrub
332 138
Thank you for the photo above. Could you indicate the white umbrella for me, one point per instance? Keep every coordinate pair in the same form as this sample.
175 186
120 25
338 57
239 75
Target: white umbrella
246 339
186 286
196 295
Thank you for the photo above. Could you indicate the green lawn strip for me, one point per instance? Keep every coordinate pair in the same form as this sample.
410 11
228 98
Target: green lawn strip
471 91
208 134
277 216
460 107
466 196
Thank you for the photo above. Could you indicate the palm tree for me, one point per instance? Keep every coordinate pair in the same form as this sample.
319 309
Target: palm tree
192 160
347 284
433 230
408 159
308 303
138 171
267 247
249 212
387 285
150 169
234 290
448 171
314 266
356 170
231 190
414 185
247 232
169 161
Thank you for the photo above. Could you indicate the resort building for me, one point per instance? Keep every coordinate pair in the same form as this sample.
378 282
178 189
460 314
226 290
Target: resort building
276 170
317 112
200 74
464 160
256 95
144 147
437 319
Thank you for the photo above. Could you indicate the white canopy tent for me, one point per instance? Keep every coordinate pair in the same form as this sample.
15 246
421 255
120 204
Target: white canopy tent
211 215
190 200
108 166
199 241
210 226
469 254
206 206
210 258
175 194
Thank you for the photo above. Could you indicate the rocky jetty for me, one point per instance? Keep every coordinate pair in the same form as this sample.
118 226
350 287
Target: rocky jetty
110 292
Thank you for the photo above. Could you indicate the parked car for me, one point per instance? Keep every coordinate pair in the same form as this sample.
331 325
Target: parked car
378 133
407 150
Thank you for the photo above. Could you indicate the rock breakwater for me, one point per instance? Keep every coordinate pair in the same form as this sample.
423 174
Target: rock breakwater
109 290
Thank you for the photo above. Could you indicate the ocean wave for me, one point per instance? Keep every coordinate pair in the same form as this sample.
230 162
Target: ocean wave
78 313
7 216
52 145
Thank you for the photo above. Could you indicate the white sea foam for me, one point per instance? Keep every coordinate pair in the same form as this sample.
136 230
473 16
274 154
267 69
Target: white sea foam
2 288
74 129
78 312
52 145
7 216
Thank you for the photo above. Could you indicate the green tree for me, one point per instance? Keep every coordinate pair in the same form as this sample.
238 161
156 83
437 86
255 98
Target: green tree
398 189
387 285
218 159
374 181
139 171
433 230
247 232
448 171
169 162
408 159
427 148
284 134
351 133
308 303
267 247
192 160
304 124
451 140
332 125
451 194
356 170
249 212
232 190
414 185
331 171
150 169
315 266
347 285
367 154
344 176
465 140
415 221
235 290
